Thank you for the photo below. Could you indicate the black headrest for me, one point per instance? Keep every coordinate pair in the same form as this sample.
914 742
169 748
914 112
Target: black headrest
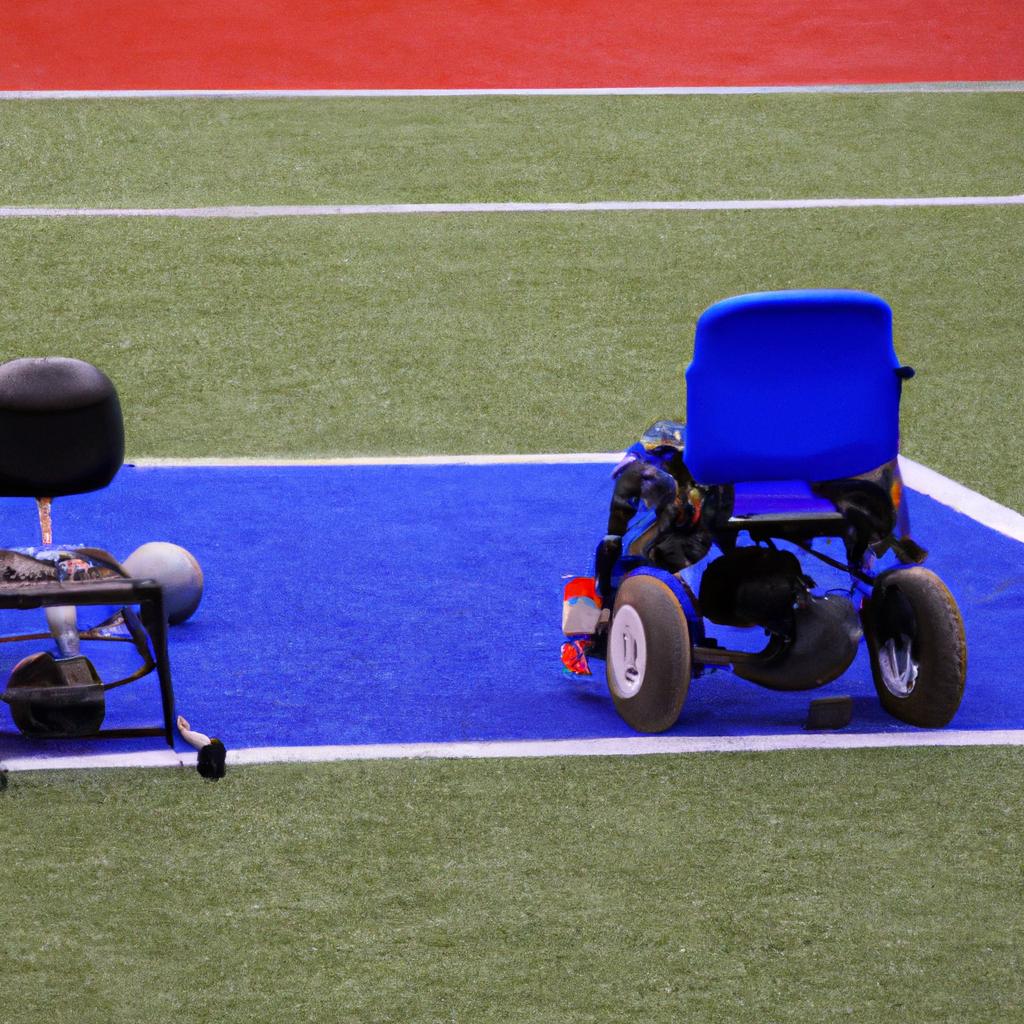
61 430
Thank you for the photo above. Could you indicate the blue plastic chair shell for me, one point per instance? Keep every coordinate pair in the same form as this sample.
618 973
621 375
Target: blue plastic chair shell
792 385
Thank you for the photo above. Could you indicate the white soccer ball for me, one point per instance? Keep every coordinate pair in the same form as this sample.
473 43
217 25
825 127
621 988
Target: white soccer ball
175 569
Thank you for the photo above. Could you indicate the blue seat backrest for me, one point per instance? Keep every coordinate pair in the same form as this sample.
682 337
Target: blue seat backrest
792 385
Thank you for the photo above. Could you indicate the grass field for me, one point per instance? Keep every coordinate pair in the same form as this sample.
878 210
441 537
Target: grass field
210 152
873 886
499 333
503 333
869 885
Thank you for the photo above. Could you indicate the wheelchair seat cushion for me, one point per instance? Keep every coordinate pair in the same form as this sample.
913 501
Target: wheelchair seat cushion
780 498
795 385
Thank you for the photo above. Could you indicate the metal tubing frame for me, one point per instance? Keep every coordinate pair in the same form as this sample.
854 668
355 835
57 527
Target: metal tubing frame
146 593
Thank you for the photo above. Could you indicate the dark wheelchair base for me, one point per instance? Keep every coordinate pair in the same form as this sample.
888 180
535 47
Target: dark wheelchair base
792 410
905 613
78 691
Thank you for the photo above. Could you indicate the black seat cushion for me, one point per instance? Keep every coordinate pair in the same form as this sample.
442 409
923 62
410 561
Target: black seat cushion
61 429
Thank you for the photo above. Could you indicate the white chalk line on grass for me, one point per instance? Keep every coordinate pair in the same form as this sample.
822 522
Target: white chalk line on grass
656 90
597 206
620 747
230 461
918 477
954 495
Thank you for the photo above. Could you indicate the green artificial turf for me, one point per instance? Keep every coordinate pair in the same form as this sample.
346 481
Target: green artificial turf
870 886
206 152
828 886
501 333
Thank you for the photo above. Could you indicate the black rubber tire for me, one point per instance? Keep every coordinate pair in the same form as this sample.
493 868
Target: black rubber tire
42 718
938 645
651 699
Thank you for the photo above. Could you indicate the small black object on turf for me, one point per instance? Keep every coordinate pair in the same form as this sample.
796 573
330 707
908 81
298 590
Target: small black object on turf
829 713
212 761
3 780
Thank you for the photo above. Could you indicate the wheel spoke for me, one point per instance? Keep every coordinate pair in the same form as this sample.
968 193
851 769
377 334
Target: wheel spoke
898 667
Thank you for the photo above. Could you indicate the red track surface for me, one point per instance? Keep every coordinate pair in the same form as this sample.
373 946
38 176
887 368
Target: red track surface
411 44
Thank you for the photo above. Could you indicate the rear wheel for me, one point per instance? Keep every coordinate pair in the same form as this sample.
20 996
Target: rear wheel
917 645
648 654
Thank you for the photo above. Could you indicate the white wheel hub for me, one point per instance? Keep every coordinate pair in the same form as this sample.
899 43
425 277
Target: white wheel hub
627 653
897 666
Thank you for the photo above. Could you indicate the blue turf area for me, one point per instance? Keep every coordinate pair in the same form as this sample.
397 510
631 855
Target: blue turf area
386 604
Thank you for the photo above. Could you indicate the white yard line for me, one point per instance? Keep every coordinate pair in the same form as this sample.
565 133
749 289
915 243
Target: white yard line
918 477
598 206
948 492
667 90
165 758
228 461
621 747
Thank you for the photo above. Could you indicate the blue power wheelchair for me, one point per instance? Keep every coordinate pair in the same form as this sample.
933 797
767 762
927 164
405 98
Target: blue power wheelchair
790 447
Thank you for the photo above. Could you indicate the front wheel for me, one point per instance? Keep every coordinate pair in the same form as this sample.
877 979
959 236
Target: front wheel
917 645
648 654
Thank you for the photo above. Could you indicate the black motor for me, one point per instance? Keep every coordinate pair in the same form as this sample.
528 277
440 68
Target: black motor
754 586
813 640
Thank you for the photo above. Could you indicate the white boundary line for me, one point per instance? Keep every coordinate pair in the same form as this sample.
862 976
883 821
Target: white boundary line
621 747
948 492
232 462
165 758
597 206
666 90
918 477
